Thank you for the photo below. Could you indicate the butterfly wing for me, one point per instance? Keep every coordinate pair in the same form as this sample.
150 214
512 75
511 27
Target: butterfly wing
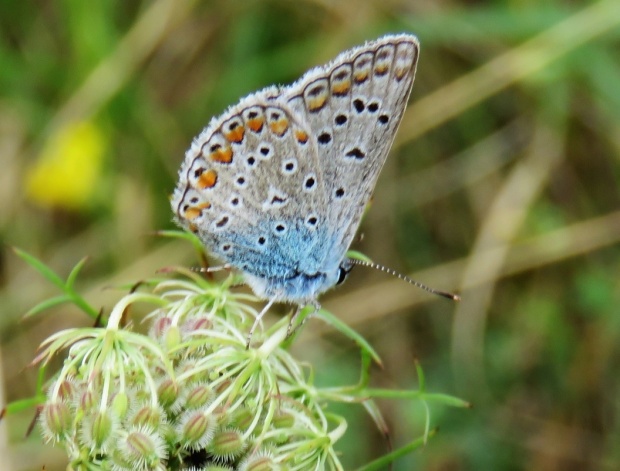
353 107
250 187
276 186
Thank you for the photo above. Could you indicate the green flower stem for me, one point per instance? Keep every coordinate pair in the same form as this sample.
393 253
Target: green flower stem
274 340
339 431
386 460
404 394
117 313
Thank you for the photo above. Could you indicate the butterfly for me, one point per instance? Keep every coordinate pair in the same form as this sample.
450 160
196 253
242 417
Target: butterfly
276 186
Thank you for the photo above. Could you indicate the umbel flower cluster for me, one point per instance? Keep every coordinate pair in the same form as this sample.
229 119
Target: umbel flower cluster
190 394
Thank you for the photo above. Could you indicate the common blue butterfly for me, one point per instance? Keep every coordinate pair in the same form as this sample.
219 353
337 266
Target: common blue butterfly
276 186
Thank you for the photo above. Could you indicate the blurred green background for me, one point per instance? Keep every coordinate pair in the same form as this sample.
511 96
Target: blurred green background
502 185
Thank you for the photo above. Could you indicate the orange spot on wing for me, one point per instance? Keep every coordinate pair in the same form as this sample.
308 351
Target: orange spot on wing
235 135
222 155
279 127
316 103
361 77
381 69
400 73
341 88
256 124
192 213
301 136
207 179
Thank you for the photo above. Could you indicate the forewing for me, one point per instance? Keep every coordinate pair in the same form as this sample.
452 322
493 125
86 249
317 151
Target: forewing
353 107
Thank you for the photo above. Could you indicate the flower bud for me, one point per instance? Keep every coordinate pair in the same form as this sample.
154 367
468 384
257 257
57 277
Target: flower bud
67 390
195 430
168 392
99 429
143 448
198 396
56 421
227 444
148 416
259 462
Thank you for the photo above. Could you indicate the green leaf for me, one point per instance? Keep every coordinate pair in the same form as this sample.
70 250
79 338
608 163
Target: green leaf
65 286
48 303
24 404
74 272
39 266
446 400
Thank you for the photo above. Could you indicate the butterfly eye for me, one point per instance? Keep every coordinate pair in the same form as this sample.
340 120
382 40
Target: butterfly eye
343 272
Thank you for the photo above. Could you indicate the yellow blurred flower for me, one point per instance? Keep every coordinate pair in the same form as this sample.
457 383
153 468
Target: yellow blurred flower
69 168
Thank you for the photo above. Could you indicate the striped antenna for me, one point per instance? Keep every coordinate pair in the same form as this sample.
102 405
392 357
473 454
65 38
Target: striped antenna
376 266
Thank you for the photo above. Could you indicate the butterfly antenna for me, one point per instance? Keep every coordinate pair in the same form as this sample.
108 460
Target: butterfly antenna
376 266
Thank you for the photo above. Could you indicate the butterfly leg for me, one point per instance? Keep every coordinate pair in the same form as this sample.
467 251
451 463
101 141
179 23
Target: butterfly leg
212 269
290 330
256 322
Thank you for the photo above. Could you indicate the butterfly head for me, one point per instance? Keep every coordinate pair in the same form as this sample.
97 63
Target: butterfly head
344 269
